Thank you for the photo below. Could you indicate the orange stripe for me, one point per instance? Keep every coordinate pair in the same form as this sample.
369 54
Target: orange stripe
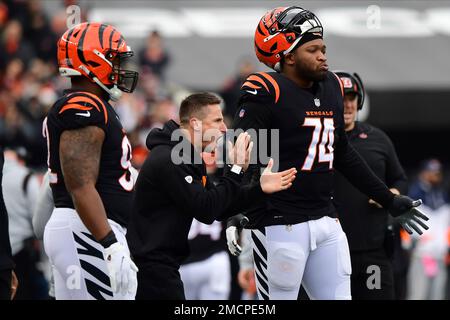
340 83
74 106
404 236
274 83
258 79
204 181
95 98
84 99
448 236
251 85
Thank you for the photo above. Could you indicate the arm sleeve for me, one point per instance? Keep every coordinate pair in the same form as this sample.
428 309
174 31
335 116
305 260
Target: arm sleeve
191 196
248 194
355 169
253 112
43 208
395 175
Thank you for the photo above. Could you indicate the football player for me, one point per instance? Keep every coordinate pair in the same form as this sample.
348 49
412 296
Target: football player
296 234
89 161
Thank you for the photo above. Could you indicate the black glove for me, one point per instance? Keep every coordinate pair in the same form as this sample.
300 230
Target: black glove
233 231
404 209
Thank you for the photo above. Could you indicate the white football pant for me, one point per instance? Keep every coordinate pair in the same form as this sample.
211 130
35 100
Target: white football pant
313 253
78 265
208 279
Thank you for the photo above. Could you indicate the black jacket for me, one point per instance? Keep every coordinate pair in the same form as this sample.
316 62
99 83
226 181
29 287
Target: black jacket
168 196
365 224
5 246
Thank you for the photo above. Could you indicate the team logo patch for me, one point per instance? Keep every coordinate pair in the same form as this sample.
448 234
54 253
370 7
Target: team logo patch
241 113
188 179
363 135
317 102
347 83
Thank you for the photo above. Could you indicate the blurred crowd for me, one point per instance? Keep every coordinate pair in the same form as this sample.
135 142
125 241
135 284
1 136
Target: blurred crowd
29 85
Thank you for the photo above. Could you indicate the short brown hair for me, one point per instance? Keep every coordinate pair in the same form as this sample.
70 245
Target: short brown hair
194 104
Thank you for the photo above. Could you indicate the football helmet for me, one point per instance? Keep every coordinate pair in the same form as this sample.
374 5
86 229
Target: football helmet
97 51
280 31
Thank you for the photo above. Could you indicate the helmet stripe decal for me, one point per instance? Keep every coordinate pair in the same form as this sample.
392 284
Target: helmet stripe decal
274 84
259 29
100 33
121 40
266 54
80 45
69 62
111 37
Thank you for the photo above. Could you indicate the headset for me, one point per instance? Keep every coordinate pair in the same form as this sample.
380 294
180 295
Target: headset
355 81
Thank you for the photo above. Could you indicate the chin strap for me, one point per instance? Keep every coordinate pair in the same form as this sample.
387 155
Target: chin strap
114 92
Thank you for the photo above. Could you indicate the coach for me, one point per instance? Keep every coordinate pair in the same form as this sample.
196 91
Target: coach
363 220
173 188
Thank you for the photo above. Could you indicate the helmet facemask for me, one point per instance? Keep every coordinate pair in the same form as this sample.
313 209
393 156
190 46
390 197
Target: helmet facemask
121 76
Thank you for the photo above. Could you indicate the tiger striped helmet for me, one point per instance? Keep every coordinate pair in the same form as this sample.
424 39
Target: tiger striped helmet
96 51
280 31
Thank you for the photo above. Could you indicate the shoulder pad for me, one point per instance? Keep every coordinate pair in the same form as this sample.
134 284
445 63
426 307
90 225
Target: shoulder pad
82 109
260 86
338 80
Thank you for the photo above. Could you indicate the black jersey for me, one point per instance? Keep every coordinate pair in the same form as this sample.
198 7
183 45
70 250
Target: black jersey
205 240
312 139
114 183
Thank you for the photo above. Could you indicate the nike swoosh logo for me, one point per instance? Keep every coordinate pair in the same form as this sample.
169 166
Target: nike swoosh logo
252 92
87 114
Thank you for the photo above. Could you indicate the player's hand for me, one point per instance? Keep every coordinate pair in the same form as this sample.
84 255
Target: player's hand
245 278
375 204
404 209
233 232
14 284
239 154
276 181
122 270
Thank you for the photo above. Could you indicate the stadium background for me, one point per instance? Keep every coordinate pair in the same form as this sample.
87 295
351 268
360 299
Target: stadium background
202 45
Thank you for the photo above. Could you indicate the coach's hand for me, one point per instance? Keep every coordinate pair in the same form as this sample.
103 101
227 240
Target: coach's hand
404 209
276 181
235 224
122 270
14 284
239 154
